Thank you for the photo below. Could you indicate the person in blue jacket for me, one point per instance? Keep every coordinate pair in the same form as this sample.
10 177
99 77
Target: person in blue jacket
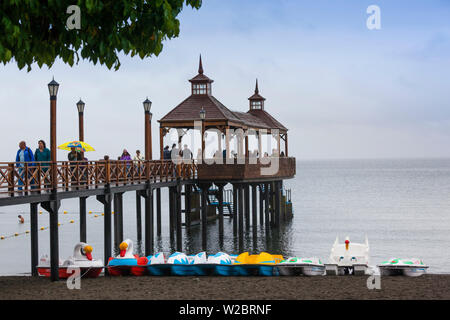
24 154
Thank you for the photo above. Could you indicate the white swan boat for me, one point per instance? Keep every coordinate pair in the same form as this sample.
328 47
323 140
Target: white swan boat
127 262
408 267
348 258
82 258
294 266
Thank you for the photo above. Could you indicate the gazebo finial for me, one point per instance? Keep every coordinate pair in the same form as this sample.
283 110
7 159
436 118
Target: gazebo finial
256 87
200 67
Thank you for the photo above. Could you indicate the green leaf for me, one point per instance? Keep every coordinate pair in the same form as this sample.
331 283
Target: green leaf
35 30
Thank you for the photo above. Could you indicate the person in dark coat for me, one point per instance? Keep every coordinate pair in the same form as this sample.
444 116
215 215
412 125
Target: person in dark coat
24 154
166 153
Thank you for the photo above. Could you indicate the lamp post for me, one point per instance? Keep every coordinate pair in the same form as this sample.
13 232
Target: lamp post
149 196
83 231
148 129
80 107
203 116
52 206
53 87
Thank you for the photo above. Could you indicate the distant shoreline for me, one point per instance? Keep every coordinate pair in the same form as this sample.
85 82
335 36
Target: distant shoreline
426 287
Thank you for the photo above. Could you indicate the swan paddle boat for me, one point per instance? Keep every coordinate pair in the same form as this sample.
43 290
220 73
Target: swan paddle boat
127 262
157 265
82 258
192 265
180 264
348 258
222 264
408 267
295 266
203 265
262 264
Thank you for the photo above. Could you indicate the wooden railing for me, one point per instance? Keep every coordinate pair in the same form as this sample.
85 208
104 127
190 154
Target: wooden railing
245 168
35 177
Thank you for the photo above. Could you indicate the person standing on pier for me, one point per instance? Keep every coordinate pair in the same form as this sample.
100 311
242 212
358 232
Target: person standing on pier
187 154
125 155
74 156
138 157
138 161
24 154
175 153
42 154
166 153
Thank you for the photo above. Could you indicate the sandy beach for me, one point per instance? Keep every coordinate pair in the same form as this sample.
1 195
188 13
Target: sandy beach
435 287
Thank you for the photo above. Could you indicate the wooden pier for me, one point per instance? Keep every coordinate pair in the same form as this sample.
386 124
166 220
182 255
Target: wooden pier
202 182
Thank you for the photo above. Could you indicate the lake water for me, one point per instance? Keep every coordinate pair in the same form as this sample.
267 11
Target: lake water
403 206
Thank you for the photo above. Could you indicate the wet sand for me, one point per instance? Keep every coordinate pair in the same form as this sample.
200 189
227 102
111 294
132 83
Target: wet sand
219 288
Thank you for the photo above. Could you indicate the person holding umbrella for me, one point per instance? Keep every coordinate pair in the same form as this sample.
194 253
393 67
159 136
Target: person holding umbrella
76 148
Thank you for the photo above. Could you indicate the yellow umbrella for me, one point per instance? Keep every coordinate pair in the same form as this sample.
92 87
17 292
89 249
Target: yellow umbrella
79 145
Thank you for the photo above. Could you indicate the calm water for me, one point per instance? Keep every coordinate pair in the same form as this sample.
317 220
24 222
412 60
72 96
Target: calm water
402 205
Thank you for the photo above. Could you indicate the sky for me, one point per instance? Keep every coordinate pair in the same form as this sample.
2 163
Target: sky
344 91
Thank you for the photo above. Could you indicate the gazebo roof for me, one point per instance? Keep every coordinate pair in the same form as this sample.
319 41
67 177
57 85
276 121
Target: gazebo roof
264 116
189 110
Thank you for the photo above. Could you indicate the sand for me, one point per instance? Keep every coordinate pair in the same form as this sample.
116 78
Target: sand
214 288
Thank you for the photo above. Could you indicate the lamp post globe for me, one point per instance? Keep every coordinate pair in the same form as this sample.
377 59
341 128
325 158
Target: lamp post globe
53 87
147 105
80 106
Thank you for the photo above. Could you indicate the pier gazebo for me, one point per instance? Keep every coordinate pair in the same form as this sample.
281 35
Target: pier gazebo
217 116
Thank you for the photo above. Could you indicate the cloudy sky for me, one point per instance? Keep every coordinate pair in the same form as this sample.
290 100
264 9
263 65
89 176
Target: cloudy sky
343 91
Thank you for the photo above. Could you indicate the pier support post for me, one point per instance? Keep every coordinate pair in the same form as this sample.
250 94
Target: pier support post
171 213
158 211
116 228
178 216
282 202
83 228
254 217
120 217
272 202
266 205
235 209
204 208
277 202
148 220
106 200
220 200
247 205
187 205
241 216
254 209
261 205
52 208
138 216
34 238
